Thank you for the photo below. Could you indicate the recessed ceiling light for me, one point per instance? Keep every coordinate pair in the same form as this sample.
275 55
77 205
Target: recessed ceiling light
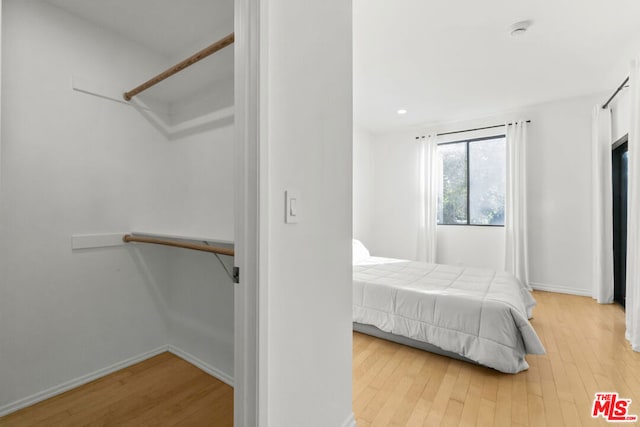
401 111
519 28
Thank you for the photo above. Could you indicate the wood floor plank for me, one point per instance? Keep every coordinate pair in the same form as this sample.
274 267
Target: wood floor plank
184 402
551 404
537 415
486 414
461 387
520 403
452 414
388 378
471 403
490 386
502 416
383 419
443 395
410 401
418 415
362 401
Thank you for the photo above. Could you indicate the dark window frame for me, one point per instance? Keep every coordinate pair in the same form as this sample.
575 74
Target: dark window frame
467 142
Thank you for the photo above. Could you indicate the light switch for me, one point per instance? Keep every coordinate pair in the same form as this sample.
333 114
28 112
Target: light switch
291 206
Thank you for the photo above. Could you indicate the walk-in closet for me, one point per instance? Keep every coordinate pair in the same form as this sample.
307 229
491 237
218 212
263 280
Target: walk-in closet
117 120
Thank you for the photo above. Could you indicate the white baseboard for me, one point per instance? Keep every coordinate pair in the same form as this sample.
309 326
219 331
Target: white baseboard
77 382
350 422
214 372
560 289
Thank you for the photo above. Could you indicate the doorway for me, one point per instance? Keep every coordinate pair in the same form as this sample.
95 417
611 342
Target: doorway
620 161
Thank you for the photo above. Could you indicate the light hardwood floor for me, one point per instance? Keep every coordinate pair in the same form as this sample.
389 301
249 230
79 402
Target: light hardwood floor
586 353
393 385
161 391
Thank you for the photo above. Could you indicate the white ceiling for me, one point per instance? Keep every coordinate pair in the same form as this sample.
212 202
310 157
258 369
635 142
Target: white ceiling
455 60
174 29
440 60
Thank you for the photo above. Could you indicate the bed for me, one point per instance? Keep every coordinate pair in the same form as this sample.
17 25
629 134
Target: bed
473 314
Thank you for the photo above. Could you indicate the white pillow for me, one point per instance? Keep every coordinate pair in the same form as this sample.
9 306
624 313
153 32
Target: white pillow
359 251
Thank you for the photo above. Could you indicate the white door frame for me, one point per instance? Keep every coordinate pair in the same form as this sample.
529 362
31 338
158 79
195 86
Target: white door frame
250 238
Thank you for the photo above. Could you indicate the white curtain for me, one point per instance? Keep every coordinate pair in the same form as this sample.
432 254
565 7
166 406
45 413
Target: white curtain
633 213
515 224
428 206
602 262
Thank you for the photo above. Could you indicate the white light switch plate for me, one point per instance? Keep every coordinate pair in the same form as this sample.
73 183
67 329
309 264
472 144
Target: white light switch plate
291 206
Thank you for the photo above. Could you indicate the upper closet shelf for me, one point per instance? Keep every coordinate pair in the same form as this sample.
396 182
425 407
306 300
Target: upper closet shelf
211 108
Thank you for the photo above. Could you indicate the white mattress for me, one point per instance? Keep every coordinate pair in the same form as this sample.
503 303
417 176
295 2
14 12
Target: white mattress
477 313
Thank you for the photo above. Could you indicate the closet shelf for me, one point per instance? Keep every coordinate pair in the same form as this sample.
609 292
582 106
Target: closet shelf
223 247
185 128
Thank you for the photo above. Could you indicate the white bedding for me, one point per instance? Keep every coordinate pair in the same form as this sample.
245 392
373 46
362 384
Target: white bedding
477 313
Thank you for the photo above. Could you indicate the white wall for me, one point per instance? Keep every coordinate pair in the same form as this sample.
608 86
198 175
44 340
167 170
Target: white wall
559 181
200 309
198 194
363 174
472 246
559 198
307 138
395 191
620 114
77 164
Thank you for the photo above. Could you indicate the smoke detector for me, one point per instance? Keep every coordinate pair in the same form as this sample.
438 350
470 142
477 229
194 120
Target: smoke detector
519 28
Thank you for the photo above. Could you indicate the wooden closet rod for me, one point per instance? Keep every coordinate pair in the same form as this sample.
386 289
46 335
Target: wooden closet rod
220 44
196 247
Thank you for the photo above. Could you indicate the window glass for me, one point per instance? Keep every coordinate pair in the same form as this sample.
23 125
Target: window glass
472 187
487 181
452 197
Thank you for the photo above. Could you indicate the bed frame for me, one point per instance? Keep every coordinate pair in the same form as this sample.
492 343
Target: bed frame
373 331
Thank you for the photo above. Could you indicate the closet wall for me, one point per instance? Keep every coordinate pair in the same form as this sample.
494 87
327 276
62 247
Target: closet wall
73 163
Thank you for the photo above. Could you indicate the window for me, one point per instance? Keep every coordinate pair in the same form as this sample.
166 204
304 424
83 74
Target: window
473 182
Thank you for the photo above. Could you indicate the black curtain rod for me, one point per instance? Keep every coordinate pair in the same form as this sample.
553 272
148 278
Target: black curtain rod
470 130
624 83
